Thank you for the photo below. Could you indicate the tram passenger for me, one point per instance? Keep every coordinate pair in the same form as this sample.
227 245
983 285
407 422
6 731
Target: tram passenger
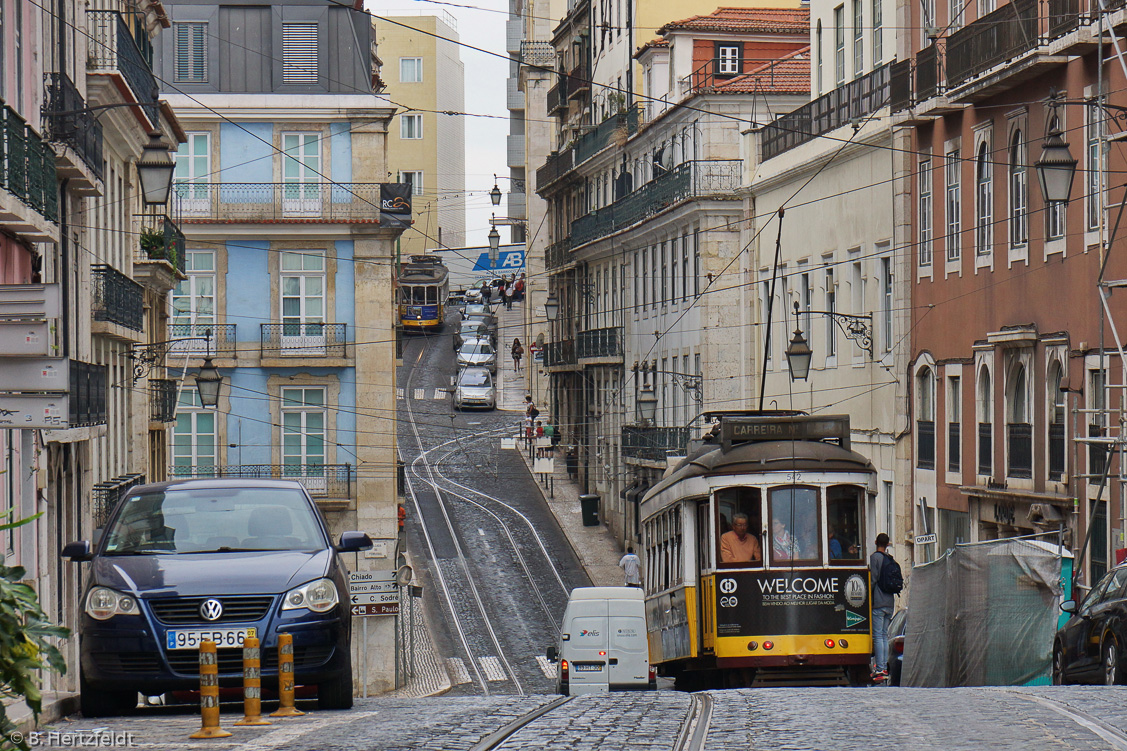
840 546
737 546
783 545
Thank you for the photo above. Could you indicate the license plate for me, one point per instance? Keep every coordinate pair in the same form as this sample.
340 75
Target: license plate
223 637
588 668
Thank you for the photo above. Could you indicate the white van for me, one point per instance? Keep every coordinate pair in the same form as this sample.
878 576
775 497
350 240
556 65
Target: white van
603 643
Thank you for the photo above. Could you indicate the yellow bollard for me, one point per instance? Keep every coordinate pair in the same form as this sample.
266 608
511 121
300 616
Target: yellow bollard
252 685
209 694
285 678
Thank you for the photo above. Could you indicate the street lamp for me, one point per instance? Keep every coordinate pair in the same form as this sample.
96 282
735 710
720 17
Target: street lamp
647 404
1055 168
551 307
208 381
798 352
155 169
494 242
495 194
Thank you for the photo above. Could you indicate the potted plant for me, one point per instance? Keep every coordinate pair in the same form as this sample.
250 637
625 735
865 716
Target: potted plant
152 242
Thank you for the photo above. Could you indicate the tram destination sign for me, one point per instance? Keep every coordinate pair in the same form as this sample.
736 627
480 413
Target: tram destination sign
736 430
798 602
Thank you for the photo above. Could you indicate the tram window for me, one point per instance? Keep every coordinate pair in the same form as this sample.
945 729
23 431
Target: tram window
794 526
703 543
739 546
844 533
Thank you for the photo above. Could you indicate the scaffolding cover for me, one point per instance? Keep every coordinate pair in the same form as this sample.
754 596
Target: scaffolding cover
984 614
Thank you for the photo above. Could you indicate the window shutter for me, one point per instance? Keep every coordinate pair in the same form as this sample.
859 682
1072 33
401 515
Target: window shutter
299 53
191 52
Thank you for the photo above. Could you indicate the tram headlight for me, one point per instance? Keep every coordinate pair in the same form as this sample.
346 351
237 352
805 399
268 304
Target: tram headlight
829 643
768 645
843 643
752 646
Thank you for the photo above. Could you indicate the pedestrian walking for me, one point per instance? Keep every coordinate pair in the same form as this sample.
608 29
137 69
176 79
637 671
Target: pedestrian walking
631 564
518 352
507 296
883 603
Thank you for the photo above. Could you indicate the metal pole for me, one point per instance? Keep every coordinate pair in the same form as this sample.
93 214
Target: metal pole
770 310
364 660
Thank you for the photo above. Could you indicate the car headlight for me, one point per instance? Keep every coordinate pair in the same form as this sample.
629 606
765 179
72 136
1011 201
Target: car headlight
319 596
104 603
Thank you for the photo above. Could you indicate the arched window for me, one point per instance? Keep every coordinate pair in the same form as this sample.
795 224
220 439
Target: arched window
925 419
985 408
1019 193
984 203
818 52
1055 398
1019 432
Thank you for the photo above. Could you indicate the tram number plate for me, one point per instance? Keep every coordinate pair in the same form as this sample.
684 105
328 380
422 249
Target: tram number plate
587 667
223 637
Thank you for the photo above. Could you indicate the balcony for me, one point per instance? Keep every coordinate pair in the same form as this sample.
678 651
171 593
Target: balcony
1064 16
928 75
539 54
560 354
78 130
925 444
701 179
578 82
995 38
594 141
279 340
164 243
214 339
652 443
162 399
900 85
556 167
105 496
346 203
555 101
321 480
28 175
600 344
113 51
1020 453
117 298
855 100
985 449
558 254
87 394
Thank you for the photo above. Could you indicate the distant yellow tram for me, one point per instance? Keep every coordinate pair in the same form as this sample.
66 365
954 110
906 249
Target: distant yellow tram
718 618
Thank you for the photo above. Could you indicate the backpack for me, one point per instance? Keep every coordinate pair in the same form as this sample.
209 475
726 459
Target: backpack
891 579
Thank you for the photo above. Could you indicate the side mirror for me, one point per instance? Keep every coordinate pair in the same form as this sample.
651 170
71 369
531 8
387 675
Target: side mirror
553 654
351 542
1068 606
77 551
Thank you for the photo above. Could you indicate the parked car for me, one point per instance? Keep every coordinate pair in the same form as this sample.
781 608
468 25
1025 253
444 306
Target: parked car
472 329
477 353
488 319
1089 647
219 560
896 630
472 308
474 388
473 296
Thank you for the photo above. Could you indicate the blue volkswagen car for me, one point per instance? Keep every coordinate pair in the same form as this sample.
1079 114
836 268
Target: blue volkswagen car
218 560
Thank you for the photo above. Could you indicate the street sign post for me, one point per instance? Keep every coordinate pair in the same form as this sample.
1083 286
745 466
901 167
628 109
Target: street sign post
387 608
373 593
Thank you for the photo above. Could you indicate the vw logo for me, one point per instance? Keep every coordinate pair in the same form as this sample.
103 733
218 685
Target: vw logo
211 610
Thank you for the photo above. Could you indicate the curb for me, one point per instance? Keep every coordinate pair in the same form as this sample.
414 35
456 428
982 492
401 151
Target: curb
56 706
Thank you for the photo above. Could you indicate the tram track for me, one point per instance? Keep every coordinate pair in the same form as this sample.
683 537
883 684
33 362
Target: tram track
1115 737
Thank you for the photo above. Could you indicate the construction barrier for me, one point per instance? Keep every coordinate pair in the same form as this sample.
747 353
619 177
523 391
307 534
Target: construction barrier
286 678
209 694
252 684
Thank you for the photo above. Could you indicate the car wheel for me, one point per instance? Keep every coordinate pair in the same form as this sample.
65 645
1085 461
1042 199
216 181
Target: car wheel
1058 665
100 702
337 693
1113 672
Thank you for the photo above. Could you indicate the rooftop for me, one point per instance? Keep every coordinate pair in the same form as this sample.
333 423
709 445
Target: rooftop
744 20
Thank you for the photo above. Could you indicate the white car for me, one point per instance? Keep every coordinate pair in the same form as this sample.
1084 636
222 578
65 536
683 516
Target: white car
477 353
474 388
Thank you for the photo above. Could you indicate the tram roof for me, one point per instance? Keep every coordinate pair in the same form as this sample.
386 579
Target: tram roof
423 273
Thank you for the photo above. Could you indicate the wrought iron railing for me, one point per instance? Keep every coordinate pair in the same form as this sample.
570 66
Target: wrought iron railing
578 81
557 254
166 243
925 444
112 47
1064 16
929 77
654 443
954 447
321 480
540 54
354 203
688 180
595 140
78 128
87 394
105 496
1020 453
600 343
555 100
1056 451
560 353
846 104
221 335
304 339
117 298
27 165
985 448
162 399
556 167
900 85
995 38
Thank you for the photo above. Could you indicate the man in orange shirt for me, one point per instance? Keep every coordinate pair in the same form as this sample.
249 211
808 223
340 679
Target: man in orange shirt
737 546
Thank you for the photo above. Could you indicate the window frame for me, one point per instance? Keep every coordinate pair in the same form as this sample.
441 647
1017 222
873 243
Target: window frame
195 57
406 130
984 202
924 249
417 75
953 202
1019 193
729 59
296 58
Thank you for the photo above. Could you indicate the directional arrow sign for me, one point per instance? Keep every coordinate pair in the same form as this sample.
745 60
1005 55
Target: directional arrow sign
380 609
373 598
360 587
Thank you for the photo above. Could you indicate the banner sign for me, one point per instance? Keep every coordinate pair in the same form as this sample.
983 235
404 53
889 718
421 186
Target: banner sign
818 601
395 198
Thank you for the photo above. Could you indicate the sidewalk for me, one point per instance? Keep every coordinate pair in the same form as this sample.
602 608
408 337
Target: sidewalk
510 384
56 705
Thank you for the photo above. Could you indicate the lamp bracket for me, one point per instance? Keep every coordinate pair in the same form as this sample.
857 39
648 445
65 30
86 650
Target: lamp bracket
145 357
691 383
856 328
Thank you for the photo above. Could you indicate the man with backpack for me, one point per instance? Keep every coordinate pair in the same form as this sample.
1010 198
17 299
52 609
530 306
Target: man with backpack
888 581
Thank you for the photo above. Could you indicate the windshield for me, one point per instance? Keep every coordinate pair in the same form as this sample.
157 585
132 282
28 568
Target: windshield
476 308
474 377
477 347
208 520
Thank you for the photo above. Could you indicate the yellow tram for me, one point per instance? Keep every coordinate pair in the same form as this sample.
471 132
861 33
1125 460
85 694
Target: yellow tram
717 619
423 285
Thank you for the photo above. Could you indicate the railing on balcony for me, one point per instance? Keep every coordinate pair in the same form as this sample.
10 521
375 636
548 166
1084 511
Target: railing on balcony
578 81
560 353
221 335
900 85
304 340
1056 451
539 54
165 243
556 167
600 343
87 394
352 203
688 180
985 448
557 254
1064 16
929 78
117 298
594 141
556 100
321 480
954 447
162 399
113 47
653 443
842 106
1020 453
27 165
105 496
925 444
995 38
78 128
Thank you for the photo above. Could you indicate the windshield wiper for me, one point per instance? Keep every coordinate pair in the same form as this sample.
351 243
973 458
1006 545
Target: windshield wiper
226 549
141 552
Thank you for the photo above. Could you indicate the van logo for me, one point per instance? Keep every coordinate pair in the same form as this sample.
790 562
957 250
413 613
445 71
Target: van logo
589 632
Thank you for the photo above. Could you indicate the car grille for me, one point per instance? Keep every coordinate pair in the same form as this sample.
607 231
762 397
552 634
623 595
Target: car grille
141 662
187 661
180 610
